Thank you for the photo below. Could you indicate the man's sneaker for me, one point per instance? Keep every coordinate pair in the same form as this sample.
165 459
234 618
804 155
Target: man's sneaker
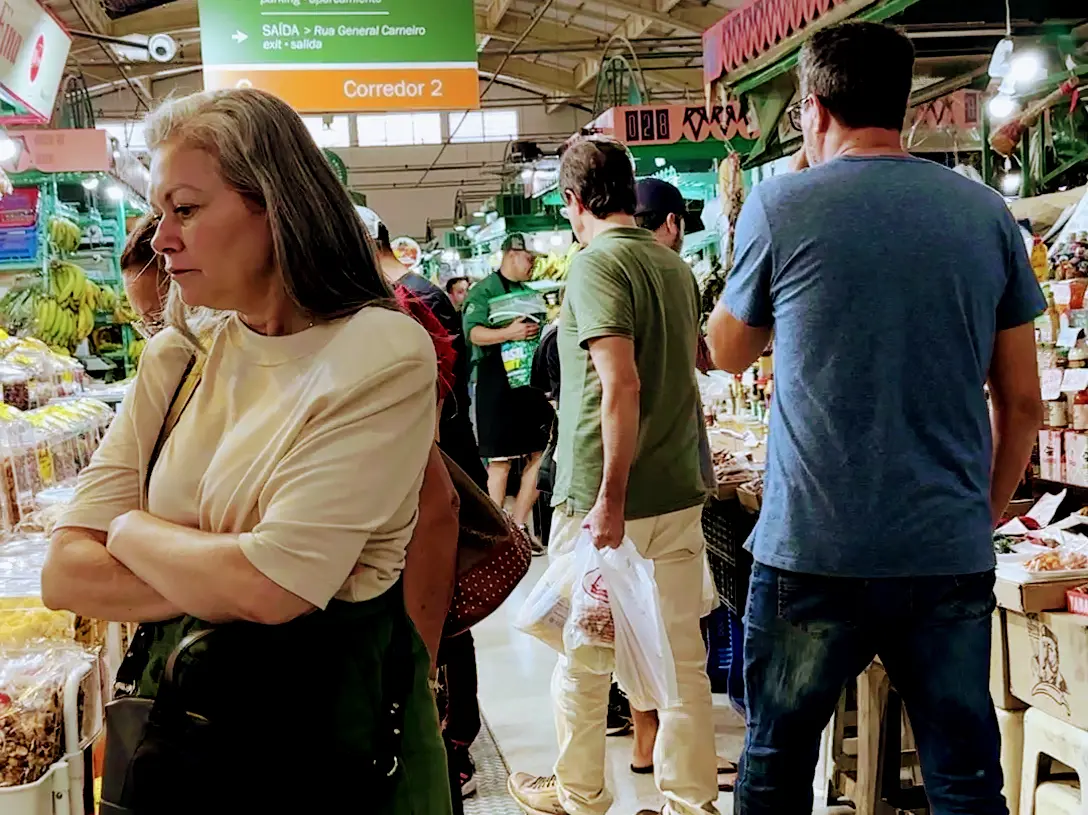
461 762
535 795
538 548
619 713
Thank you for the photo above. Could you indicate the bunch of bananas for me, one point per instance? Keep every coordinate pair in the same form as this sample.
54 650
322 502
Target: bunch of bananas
65 235
136 350
61 313
59 325
555 267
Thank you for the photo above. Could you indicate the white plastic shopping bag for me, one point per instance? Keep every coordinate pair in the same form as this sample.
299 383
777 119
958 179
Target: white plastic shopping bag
590 634
547 608
644 663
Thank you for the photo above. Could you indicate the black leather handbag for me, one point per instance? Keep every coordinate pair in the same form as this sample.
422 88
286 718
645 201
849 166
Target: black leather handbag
152 743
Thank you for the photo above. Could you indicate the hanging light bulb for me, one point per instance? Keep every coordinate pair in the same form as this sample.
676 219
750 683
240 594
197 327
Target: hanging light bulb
1010 184
1001 107
114 192
90 184
1027 68
9 148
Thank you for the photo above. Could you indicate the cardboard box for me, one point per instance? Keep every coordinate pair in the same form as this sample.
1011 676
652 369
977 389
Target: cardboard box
1048 663
1051 457
1000 688
1031 598
1076 458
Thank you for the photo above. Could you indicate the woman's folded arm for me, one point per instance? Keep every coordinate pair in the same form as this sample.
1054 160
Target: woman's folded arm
82 576
204 573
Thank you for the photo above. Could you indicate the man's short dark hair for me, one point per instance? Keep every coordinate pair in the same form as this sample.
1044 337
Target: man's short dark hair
453 281
861 72
599 171
652 221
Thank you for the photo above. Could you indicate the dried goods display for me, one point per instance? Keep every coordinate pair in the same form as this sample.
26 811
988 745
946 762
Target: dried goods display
1058 560
25 620
31 710
1069 260
44 448
728 466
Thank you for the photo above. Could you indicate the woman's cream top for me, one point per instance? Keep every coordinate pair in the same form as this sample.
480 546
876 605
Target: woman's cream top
311 447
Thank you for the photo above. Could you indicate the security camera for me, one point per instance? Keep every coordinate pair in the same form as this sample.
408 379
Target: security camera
162 48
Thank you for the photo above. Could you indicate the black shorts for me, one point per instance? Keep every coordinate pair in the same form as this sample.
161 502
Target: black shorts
510 422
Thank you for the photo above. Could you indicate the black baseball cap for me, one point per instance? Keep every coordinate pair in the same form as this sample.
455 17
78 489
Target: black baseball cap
517 242
655 195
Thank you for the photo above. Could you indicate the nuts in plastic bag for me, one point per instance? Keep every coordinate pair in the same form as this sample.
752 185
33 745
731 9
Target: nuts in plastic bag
31 710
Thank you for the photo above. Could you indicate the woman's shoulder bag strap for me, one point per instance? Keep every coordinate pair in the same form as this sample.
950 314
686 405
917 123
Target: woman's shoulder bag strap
190 379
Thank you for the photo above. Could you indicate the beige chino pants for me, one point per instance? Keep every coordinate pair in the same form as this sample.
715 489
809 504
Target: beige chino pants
685 763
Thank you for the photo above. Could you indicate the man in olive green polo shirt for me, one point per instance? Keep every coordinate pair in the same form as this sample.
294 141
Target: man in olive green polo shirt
511 423
628 465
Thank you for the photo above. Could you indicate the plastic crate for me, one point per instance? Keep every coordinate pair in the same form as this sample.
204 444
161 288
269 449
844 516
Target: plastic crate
725 655
18 244
726 527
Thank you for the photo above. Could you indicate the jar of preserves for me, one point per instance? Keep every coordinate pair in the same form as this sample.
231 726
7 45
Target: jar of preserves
1057 414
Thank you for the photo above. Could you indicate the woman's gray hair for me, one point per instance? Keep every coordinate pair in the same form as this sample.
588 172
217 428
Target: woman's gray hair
319 244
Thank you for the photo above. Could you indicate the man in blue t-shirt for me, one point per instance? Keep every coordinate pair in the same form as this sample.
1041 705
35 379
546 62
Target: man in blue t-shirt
895 290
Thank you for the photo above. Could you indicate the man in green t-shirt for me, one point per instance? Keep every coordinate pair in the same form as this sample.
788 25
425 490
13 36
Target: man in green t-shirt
511 423
628 465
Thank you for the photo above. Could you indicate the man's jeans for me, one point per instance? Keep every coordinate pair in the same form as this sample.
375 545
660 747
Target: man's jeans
807 636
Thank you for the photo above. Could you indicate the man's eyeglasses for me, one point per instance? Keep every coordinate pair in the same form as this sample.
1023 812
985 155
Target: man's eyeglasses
793 114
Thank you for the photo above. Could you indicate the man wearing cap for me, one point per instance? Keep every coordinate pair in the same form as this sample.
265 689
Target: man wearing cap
662 210
511 423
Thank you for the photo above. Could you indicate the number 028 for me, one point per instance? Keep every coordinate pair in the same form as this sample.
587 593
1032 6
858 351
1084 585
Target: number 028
436 87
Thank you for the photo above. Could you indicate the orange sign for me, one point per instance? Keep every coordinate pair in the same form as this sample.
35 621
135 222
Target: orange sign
61 151
344 90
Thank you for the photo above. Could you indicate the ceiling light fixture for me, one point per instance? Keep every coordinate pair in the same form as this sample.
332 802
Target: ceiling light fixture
1027 68
90 184
1001 107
